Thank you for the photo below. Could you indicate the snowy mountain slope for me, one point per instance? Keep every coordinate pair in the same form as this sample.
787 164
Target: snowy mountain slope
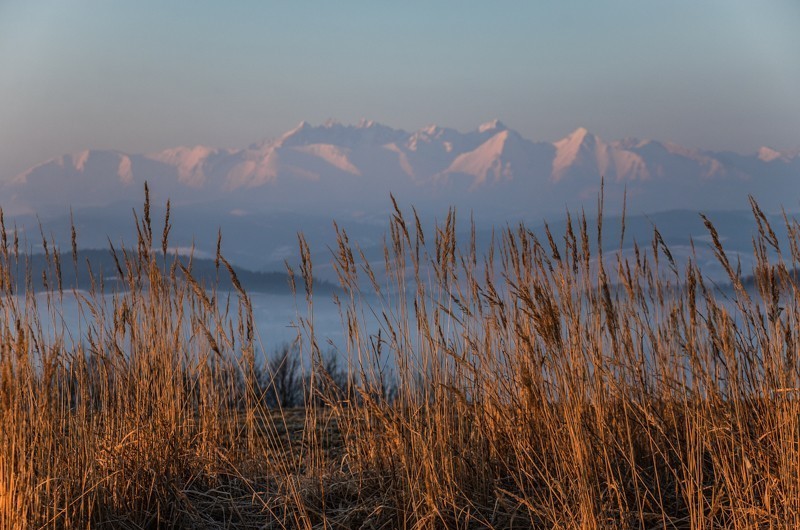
336 167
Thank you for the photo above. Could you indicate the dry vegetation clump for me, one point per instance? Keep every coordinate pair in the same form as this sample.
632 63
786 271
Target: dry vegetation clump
540 385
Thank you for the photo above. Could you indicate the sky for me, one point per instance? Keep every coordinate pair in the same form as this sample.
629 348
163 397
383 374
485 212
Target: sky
146 75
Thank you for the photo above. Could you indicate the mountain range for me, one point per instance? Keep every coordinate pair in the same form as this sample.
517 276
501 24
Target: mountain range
492 170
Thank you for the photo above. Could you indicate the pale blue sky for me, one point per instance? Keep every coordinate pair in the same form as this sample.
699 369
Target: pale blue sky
144 75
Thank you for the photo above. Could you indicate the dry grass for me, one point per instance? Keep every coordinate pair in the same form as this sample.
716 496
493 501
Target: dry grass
537 386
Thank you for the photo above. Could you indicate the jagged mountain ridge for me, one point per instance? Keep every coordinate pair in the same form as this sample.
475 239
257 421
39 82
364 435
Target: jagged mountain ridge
335 167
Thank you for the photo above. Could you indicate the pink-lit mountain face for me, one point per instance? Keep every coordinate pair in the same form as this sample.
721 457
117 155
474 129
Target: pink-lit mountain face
491 170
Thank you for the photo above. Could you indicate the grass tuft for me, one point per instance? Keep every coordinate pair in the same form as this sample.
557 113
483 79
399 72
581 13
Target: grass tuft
541 385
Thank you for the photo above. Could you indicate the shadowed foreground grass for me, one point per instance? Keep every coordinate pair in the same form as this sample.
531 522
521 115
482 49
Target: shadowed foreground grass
541 385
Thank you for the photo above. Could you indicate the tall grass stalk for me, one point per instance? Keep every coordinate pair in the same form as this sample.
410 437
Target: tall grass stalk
539 385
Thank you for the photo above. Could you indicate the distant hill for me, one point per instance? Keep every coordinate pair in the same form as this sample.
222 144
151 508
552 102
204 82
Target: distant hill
102 266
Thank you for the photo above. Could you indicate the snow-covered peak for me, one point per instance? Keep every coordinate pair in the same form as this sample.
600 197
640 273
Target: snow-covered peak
302 128
366 132
188 161
436 132
363 160
579 148
486 162
303 125
577 140
493 125
631 142
190 155
90 168
431 130
578 136
766 154
79 160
